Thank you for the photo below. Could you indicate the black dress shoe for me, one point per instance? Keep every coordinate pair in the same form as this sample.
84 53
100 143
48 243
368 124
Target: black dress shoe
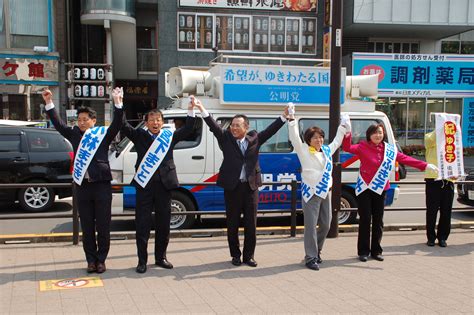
236 261
313 264
442 243
141 268
318 259
363 258
250 262
101 267
91 268
164 263
430 243
378 257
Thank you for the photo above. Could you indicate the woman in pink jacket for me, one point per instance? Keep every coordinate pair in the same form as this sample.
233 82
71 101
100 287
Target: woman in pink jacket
377 161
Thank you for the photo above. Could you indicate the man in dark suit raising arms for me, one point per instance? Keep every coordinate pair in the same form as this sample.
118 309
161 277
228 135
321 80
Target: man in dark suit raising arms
154 180
91 176
240 177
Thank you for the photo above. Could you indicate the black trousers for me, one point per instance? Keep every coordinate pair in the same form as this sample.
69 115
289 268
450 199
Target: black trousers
155 197
94 200
241 200
370 208
439 196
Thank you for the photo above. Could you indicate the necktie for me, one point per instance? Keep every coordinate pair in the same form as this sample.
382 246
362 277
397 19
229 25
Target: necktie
241 145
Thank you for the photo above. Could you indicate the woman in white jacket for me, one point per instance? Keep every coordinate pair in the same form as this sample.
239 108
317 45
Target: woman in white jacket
316 163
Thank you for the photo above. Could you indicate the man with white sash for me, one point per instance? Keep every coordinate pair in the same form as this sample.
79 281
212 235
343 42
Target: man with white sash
154 180
316 163
91 175
377 161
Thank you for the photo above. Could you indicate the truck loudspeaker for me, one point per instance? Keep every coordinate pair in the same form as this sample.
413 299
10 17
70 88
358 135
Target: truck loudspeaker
181 81
362 86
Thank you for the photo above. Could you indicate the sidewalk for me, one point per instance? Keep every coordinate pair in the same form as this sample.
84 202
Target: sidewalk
413 278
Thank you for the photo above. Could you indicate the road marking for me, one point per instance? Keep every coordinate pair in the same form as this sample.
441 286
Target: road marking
67 284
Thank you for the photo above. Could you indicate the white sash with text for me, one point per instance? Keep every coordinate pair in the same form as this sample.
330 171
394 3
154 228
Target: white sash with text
322 187
88 146
382 176
153 157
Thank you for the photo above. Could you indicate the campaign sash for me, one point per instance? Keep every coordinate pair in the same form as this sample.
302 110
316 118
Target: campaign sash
322 187
449 148
88 146
153 157
382 176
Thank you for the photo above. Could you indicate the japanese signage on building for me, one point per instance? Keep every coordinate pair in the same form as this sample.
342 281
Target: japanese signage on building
28 69
265 84
419 75
284 5
468 122
88 81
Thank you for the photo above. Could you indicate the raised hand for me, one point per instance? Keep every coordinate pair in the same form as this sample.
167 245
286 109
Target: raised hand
117 95
47 96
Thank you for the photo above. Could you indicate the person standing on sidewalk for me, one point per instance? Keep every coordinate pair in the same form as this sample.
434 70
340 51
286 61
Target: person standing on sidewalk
240 177
316 163
91 175
154 180
439 196
377 161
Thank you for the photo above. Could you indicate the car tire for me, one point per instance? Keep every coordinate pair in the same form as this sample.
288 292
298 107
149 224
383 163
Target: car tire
181 203
348 200
36 199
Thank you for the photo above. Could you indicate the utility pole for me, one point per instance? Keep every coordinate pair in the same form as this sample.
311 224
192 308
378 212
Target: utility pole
335 110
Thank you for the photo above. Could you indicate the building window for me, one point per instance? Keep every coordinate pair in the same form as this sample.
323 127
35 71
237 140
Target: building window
457 47
393 47
146 49
28 23
261 34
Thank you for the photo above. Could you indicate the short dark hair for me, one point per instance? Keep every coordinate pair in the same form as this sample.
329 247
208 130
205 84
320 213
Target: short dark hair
154 112
309 133
373 129
244 117
89 111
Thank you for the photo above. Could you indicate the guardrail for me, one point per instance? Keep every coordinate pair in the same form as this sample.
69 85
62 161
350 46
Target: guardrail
293 211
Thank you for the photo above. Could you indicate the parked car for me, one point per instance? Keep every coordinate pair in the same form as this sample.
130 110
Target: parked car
34 155
466 192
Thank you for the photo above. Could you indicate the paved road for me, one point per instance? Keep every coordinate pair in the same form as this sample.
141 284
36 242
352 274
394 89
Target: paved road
411 195
413 279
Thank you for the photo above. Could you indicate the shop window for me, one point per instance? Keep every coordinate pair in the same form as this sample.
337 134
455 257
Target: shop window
433 105
379 47
453 106
370 46
406 48
292 35
467 48
416 121
260 33
415 48
277 34
397 48
398 117
241 33
450 47
308 39
224 32
186 31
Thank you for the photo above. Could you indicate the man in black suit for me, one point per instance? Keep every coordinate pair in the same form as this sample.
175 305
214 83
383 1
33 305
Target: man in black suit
154 193
94 192
240 177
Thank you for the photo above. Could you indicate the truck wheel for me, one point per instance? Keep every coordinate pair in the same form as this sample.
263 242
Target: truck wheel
36 199
347 201
181 203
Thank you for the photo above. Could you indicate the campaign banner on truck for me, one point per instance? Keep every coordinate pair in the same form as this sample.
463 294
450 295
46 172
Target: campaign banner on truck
449 145
276 85
418 74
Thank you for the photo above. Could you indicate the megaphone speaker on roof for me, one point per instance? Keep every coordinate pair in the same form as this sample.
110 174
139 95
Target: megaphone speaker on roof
181 81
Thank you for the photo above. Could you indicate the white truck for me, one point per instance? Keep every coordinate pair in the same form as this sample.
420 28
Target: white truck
260 92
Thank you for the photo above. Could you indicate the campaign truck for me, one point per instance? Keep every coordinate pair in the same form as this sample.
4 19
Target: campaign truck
260 91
